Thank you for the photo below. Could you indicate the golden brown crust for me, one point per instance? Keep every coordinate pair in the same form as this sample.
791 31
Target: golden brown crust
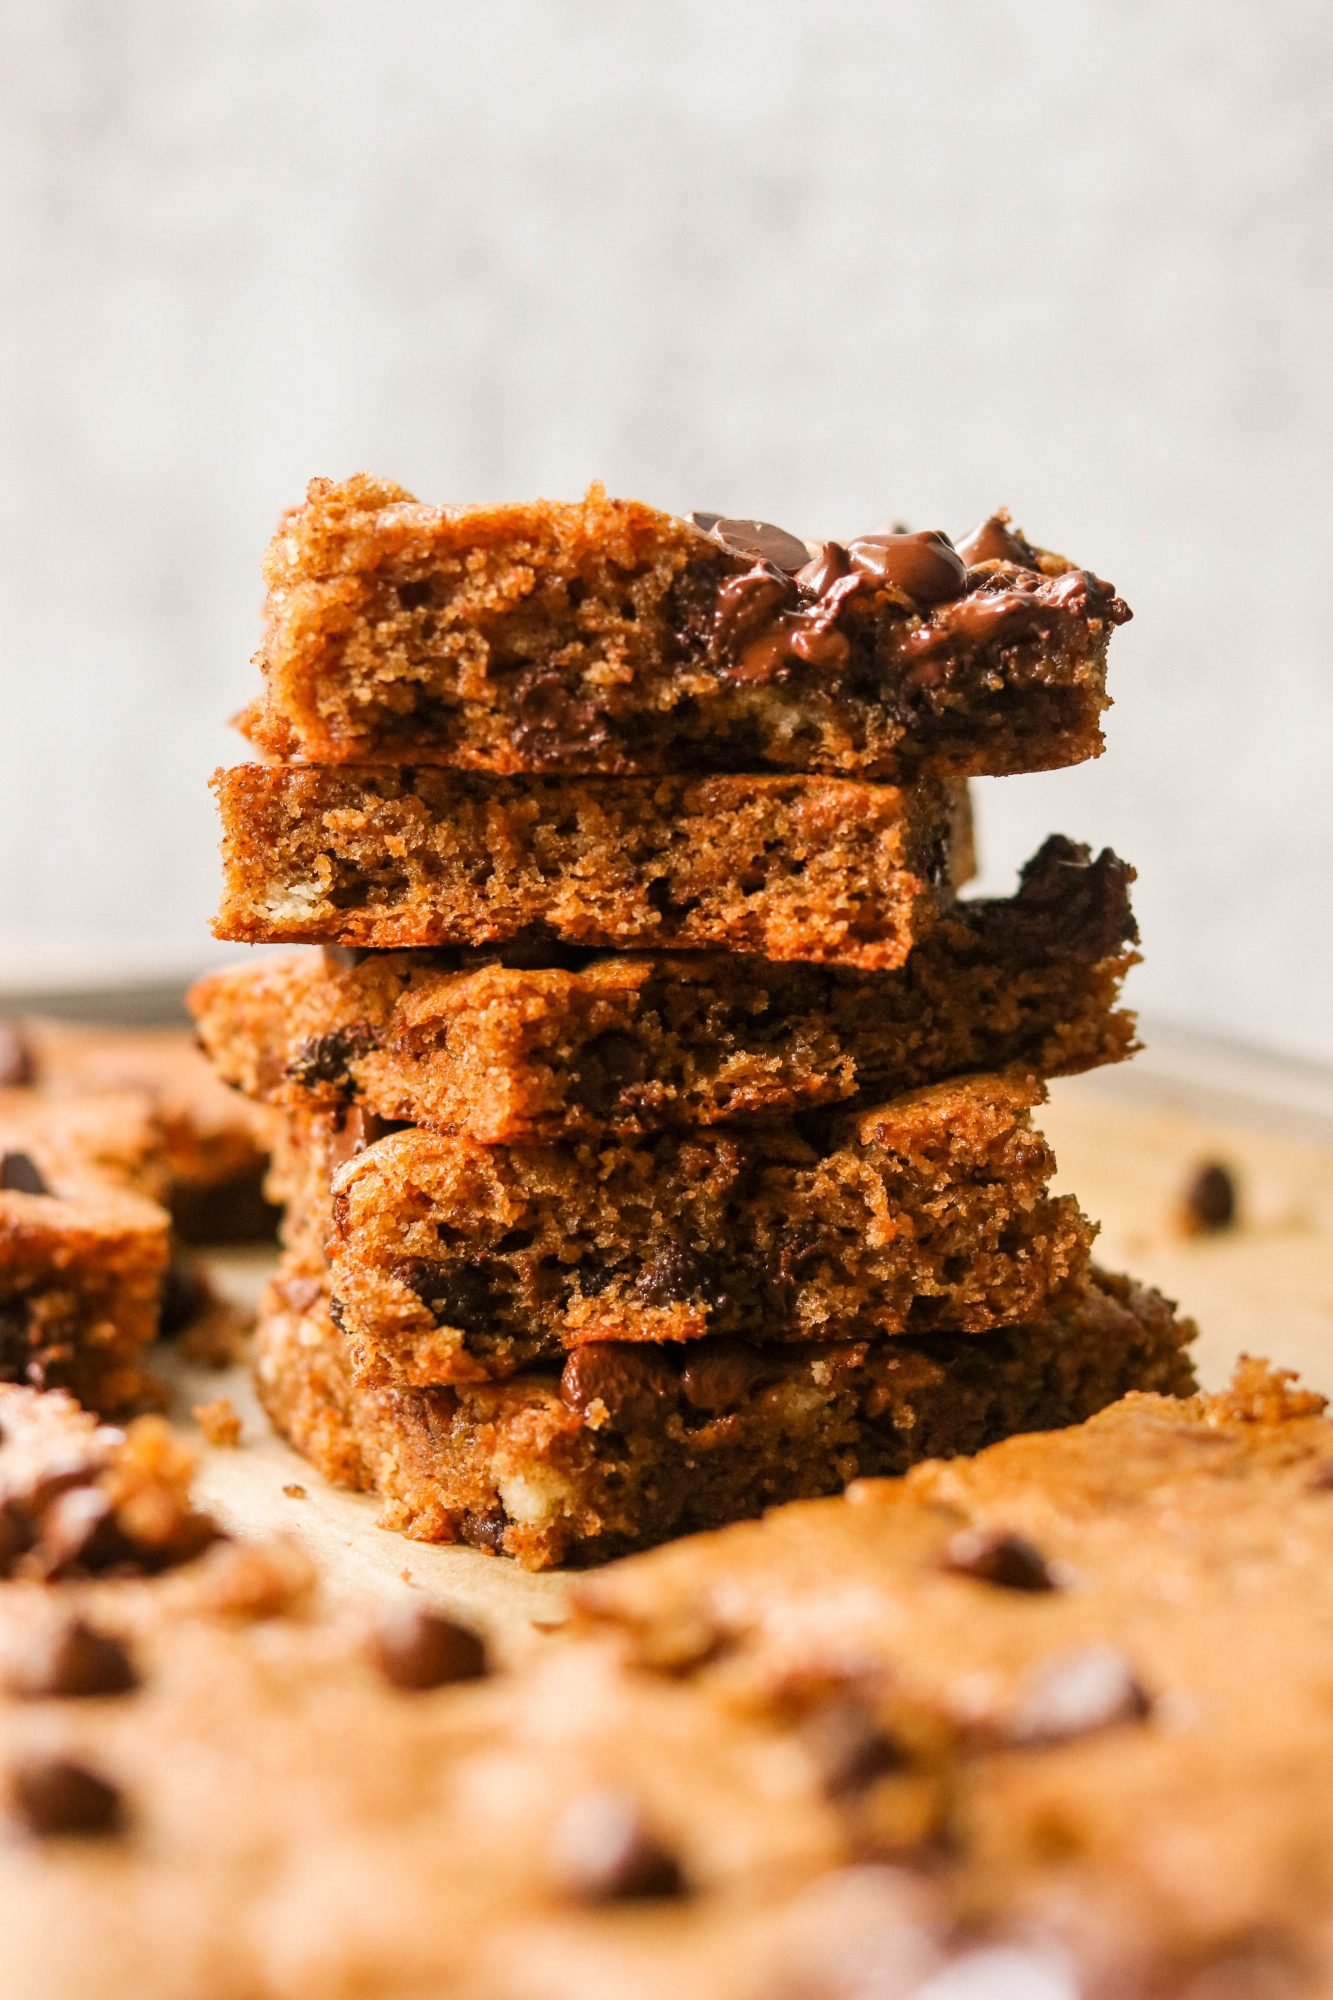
605 636
631 1445
629 1044
805 868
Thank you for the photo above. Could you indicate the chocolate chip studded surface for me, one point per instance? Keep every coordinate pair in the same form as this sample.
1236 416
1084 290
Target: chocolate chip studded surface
604 636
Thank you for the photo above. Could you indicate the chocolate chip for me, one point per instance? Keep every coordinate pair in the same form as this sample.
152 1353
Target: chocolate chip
606 1068
673 1273
995 540
185 1294
454 1290
327 1059
720 1375
352 1131
416 1648
605 1852
1210 1202
1077 1695
926 567
992 1555
56 1796
483 1528
755 541
20 1174
15 1346
80 1532
414 592
300 1294
634 1388
849 1748
15 1536
72 1661
17 1067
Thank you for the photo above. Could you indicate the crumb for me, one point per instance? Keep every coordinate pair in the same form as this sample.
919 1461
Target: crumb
294 1492
1210 1202
219 1421
217 1338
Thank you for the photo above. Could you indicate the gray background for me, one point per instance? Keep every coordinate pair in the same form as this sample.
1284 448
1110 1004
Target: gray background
826 263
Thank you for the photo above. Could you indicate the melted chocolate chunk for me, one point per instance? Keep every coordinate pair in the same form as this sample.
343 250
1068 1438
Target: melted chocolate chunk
754 541
480 1529
328 1058
633 1389
416 1648
926 566
606 1852
996 540
17 1065
74 1662
720 1376
20 1174
992 1555
55 1796
673 1273
1210 1201
185 1294
454 1290
1076 1695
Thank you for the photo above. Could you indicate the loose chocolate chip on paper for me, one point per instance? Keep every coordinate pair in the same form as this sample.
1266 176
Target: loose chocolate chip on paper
416 1648
993 1555
72 1661
605 1852
20 1174
1210 1201
17 1066
54 1796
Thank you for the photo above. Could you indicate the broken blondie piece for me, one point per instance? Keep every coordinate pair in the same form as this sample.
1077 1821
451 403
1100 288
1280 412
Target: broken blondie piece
215 1143
451 1261
506 1052
83 1246
605 636
804 868
628 1444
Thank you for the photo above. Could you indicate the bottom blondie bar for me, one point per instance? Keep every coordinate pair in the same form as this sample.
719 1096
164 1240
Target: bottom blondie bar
628 1444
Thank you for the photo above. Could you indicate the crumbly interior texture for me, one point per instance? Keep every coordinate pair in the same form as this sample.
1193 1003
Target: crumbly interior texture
450 1260
605 636
214 1141
628 1445
83 1247
506 1053
792 868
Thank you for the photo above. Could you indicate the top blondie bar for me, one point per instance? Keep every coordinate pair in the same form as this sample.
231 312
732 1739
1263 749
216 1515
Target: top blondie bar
605 636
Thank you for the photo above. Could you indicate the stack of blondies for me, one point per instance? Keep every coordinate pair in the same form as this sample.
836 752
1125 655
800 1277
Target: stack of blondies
656 1122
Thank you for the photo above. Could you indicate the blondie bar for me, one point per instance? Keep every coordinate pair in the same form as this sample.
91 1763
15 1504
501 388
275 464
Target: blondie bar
83 1245
628 1444
504 1053
804 868
215 1143
605 636
451 1261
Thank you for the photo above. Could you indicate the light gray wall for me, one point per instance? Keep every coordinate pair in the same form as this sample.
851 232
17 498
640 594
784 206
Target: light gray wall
821 262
